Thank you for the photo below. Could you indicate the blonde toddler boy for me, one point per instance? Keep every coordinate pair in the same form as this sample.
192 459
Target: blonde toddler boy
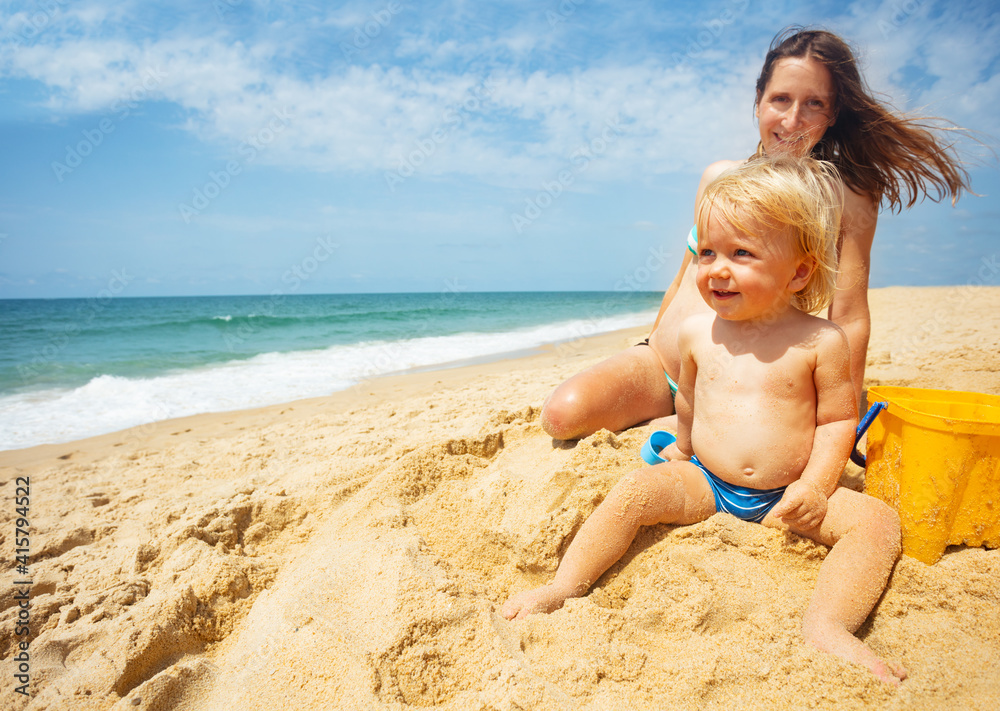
766 410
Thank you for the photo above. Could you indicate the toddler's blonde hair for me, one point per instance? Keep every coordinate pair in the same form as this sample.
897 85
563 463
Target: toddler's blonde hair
800 196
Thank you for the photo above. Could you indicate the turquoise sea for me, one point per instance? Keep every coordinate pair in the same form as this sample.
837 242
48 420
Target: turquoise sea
74 368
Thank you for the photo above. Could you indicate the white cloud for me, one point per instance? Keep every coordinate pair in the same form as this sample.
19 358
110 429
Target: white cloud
525 126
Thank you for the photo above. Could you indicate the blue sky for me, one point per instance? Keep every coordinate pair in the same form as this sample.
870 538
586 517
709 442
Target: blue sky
253 147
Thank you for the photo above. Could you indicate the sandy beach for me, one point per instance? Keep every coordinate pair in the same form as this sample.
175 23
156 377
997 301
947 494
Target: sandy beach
351 552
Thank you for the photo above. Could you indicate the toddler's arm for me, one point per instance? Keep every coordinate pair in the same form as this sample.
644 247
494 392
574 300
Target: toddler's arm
804 501
684 399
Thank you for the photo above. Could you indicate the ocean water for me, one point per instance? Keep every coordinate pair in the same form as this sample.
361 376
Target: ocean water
74 368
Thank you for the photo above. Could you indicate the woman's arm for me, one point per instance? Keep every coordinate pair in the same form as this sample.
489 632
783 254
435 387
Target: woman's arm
681 449
849 309
711 173
672 291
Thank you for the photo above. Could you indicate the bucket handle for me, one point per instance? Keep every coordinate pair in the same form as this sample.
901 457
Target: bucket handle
863 426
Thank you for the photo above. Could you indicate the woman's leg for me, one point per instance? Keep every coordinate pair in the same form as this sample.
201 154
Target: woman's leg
865 537
674 492
624 390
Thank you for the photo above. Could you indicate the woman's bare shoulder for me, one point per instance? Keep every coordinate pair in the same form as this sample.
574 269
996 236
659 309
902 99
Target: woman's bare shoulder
858 203
714 170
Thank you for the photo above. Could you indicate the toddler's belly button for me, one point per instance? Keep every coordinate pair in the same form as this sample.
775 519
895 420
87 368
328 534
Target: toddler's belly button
748 472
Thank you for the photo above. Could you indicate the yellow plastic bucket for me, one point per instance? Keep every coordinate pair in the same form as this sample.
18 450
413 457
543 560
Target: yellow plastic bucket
934 456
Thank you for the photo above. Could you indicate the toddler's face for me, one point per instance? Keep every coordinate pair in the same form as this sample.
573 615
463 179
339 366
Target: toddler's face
747 276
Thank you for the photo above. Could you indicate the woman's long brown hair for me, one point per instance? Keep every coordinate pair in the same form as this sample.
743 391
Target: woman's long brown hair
895 159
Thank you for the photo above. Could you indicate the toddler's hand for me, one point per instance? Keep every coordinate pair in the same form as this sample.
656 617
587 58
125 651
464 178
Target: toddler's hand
674 453
801 505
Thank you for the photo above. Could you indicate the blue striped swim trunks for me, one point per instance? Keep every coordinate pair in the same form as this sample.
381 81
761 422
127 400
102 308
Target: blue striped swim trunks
741 501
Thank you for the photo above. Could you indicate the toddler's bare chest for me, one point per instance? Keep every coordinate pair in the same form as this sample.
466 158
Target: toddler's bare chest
787 375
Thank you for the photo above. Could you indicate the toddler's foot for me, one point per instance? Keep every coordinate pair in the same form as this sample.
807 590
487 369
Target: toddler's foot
837 641
544 599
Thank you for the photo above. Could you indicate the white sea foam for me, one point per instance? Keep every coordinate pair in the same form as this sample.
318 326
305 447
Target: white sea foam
110 403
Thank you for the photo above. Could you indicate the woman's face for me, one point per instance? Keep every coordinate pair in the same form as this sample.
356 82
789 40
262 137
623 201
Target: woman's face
796 107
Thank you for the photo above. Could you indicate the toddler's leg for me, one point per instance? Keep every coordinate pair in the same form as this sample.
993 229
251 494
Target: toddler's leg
675 492
865 536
